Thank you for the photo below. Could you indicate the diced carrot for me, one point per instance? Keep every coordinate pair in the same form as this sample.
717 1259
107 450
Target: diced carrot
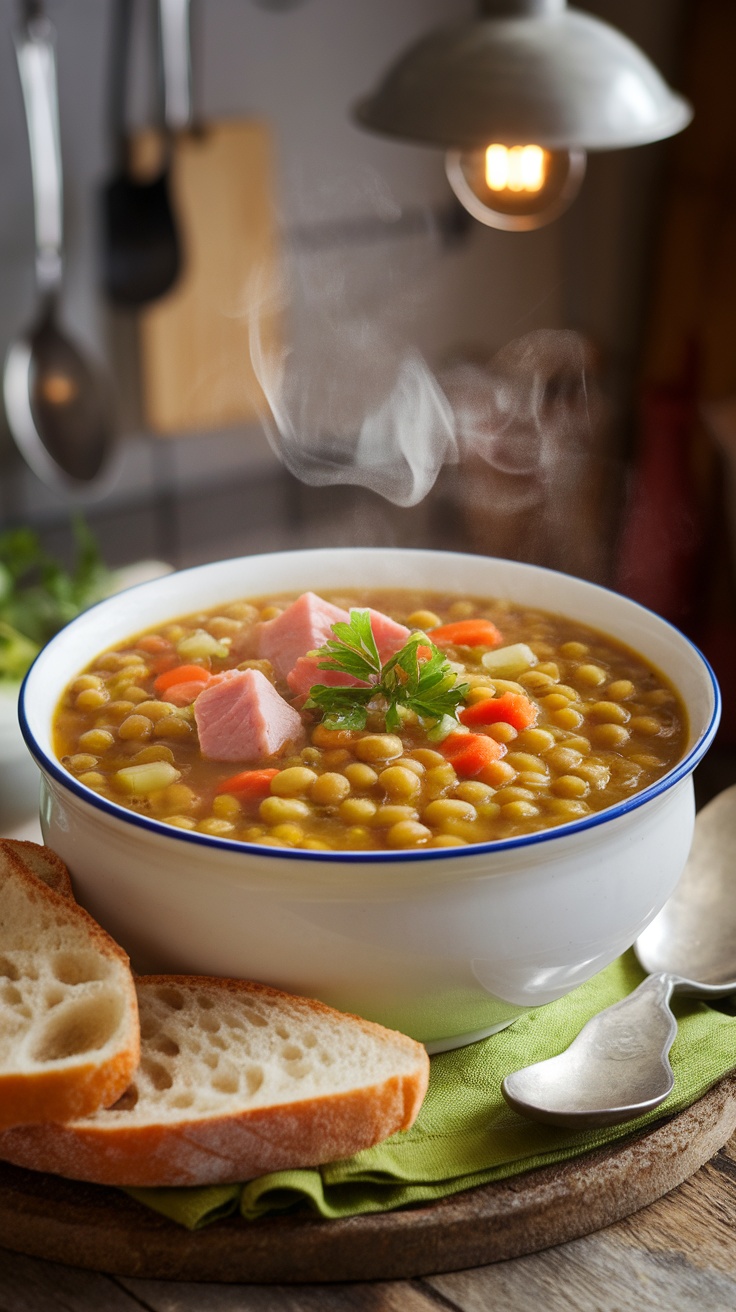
466 633
511 707
424 653
181 674
153 642
454 742
469 753
249 783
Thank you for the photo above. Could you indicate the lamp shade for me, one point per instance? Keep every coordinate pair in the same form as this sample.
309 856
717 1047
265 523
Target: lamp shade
529 73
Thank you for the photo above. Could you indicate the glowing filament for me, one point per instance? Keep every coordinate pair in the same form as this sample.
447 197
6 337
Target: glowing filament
516 168
58 389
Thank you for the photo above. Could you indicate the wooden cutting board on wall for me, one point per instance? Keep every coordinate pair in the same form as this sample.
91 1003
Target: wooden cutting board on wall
196 371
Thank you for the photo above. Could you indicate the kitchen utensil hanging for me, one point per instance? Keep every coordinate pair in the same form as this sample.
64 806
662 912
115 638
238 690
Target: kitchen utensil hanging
196 371
57 402
141 251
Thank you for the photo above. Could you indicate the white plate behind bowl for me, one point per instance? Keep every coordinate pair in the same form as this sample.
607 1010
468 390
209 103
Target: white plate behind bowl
19 778
11 741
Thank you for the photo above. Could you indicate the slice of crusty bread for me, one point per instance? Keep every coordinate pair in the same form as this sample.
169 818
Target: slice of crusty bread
43 863
236 1079
69 1037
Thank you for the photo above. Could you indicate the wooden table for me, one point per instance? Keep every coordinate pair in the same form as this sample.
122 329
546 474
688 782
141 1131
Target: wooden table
677 1255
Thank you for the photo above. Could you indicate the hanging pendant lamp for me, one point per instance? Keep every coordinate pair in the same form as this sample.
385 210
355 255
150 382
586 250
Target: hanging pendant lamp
516 97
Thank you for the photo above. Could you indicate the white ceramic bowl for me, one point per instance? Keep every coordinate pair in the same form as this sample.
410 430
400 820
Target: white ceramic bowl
445 944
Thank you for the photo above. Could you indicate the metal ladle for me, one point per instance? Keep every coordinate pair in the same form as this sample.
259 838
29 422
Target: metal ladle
618 1066
56 401
142 256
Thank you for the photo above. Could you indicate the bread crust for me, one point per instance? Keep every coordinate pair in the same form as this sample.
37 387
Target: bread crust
43 863
65 1089
220 1149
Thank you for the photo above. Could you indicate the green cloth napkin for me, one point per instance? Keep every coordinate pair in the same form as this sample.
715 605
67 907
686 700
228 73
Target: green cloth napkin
465 1133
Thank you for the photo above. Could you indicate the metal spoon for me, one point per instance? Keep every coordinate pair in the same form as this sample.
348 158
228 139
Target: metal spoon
618 1068
56 402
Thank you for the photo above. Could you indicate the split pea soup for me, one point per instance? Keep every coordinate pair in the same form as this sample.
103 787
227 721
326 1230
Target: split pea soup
430 721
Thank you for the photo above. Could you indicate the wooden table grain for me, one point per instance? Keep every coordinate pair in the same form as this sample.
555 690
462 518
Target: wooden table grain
678 1255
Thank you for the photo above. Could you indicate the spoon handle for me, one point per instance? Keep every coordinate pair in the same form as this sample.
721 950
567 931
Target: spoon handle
36 58
615 1070
176 63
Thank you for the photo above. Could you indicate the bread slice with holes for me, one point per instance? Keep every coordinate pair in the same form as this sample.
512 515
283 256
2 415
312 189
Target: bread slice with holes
69 1036
236 1079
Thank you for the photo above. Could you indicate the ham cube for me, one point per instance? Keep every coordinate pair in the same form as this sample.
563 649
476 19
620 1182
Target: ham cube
241 717
305 625
306 672
389 635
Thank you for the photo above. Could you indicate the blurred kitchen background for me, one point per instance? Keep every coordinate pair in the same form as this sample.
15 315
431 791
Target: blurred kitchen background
589 365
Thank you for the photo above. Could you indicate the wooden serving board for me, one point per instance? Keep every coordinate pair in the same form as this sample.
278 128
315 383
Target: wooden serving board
101 1229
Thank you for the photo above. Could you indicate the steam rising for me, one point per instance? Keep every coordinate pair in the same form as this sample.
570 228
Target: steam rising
352 400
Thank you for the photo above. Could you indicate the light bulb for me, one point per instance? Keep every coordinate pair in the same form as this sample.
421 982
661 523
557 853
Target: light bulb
518 187
58 388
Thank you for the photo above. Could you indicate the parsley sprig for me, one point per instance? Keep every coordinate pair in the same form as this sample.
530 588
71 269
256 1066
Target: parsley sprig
424 684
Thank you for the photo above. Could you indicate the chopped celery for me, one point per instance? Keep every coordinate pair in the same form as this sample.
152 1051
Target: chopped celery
201 643
139 780
443 728
507 661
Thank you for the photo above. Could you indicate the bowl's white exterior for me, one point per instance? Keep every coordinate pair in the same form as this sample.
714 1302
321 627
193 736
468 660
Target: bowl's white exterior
444 944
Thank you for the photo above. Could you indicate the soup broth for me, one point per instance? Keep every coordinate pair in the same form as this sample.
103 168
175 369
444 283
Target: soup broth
555 721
